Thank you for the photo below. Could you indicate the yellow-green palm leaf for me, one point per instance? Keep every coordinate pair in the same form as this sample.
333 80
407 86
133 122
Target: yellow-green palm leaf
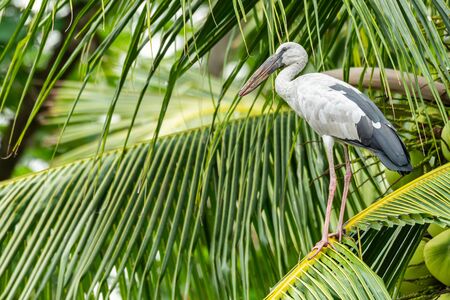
333 274
425 200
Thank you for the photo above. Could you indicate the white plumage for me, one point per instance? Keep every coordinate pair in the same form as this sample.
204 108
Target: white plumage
336 111
326 110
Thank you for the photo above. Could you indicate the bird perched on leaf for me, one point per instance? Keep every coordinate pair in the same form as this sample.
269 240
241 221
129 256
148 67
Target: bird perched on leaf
338 112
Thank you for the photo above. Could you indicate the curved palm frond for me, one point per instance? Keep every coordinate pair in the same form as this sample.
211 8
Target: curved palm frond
191 107
229 209
385 253
233 206
333 274
424 200
249 204
385 233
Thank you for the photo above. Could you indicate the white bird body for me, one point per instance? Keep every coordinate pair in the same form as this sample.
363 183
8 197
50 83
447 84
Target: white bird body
335 110
326 110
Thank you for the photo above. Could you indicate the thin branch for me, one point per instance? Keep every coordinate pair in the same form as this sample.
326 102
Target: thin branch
373 80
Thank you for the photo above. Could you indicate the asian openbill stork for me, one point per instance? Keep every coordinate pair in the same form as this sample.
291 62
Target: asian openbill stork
336 111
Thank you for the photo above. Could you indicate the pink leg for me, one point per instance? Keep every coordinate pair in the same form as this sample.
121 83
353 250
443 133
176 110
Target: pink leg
347 178
329 142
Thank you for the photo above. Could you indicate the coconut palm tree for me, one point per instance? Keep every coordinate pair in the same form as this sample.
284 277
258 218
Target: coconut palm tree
163 183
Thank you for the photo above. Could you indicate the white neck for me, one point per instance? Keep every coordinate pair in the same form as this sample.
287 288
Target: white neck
284 81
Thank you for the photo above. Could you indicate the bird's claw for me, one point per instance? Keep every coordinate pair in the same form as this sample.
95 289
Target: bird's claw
319 246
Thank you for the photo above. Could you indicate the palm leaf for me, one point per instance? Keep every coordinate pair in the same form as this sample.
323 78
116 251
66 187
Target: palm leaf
388 251
424 200
229 209
396 35
219 210
381 255
191 107
333 274
234 205
387 232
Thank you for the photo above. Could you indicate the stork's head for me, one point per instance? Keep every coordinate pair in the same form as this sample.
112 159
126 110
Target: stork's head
286 55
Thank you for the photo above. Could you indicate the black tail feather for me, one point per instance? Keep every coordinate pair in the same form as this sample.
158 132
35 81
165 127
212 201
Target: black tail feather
386 144
392 152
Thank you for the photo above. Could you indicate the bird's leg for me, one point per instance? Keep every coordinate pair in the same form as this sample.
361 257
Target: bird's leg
328 141
347 178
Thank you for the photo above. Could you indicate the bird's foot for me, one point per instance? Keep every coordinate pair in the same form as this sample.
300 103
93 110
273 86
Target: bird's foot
338 234
321 244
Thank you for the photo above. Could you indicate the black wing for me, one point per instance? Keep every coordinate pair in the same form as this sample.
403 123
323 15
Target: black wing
376 133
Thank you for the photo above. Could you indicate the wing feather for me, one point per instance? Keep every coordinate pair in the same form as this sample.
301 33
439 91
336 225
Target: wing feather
335 108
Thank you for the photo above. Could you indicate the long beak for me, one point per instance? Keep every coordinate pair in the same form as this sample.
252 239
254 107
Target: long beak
267 68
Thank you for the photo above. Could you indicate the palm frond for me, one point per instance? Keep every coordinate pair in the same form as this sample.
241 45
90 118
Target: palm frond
424 200
381 255
333 274
384 235
191 107
402 37
217 212
207 210
229 209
